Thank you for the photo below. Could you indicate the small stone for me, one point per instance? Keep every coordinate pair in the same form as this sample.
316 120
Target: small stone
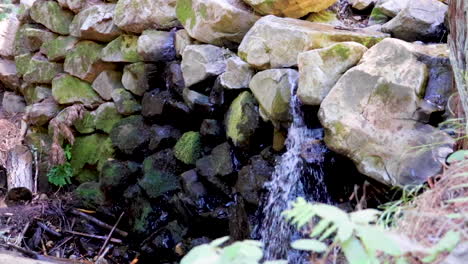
130 135
197 101
122 49
242 119
218 163
106 116
115 177
13 104
106 82
39 114
58 48
188 148
163 137
8 74
135 77
82 92
192 185
182 40
40 70
84 61
238 74
125 103
30 38
95 23
52 16
156 46
251 179
211 128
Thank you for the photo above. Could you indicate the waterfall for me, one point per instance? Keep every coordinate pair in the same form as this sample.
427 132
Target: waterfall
303 159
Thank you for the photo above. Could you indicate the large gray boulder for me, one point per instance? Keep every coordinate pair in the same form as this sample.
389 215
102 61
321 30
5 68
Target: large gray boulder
52 16
138 15
154 45
275 42
217 22
200 62
372 115
272 89
8 74
320 69
419 20
106 82
95 23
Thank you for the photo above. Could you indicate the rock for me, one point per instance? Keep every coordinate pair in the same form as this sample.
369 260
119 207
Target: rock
95 23
87 175
39 114
135 77
272 89
188 148
52 16
22 63
377 17
84 61
163 137
320 69
92 150
237 75
362 4
251 179
138 15
153 103
8 28
200 62
156 46
115 177
86 125
211 128
30 38
8 74
218 164
242 119
77 5
122 49
174 78
197 102
158 174
58 48
182 40
391 8
192 185
217 22
40 70
106 116
90 195
289 8
130 135
13 103
275 42
36 93
106 82
326 17
419 20
124 101
81 92
372 116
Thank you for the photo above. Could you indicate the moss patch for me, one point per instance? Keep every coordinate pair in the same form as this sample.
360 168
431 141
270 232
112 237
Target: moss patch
340 50
242 119
185 12
90 195
188 148
81 92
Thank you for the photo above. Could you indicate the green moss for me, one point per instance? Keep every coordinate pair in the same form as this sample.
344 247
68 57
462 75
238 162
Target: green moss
106 117
339 49
124 48
86 124
185 13
51 15
81 92
93 150
203 11
383 91
22 63
188 148
377 17
242 119
140 223
322 17
90 195
58 48
87 175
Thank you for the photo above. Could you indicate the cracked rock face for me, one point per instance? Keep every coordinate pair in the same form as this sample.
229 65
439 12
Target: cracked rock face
372 116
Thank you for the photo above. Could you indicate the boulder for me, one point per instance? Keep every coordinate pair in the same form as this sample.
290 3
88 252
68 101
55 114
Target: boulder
320 69
325 17
419 20
188 148
86 125
154 45
217 22
272 89
116 176
135 77
36 93
77 5
91 150
22 63
372 116
52 16
106 82
13 103
391 8
8 74
192 185
242 119
275 42
84 61
95 23
82 92
252 178
197 102
138 15
90 195
237 75
211 128
174 78
377 18
30 38
289 8
8 28
163 137
218 164
40 70
58 48
200 62
122 49
125 102
159 174
39 114
362 4
130 135
182 40
106 116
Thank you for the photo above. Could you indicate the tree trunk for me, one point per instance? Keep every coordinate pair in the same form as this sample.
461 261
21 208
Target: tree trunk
19 168
458 42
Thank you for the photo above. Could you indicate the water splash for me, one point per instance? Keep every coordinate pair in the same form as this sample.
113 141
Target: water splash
303 158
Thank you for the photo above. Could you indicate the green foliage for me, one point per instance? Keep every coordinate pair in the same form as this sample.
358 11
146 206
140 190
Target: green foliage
60 175
458 156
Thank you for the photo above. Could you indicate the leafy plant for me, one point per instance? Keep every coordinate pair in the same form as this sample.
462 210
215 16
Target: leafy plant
360 238
60 175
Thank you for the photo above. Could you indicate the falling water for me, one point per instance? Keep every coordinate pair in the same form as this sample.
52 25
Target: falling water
303 158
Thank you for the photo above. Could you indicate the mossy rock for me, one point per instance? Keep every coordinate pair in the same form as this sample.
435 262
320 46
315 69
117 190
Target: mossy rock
52 16
188 148
106 117
86 124
125 102
116 176
87 175
93 150
30 38
242 119
22 63
130 135
122 49
57 49
36 93
40 70
89 195
82 92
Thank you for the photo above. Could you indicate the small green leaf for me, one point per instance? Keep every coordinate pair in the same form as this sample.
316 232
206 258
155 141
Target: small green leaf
354 251
365 216
309 245
218 242
376 239
203 254
458 156
320 227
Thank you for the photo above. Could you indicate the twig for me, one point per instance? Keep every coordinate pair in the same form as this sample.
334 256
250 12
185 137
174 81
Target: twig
110 233
101 256
61 244
48 229
113 240
99 222
21 236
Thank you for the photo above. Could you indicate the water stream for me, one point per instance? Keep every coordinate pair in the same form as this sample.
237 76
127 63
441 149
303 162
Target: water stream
298 166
